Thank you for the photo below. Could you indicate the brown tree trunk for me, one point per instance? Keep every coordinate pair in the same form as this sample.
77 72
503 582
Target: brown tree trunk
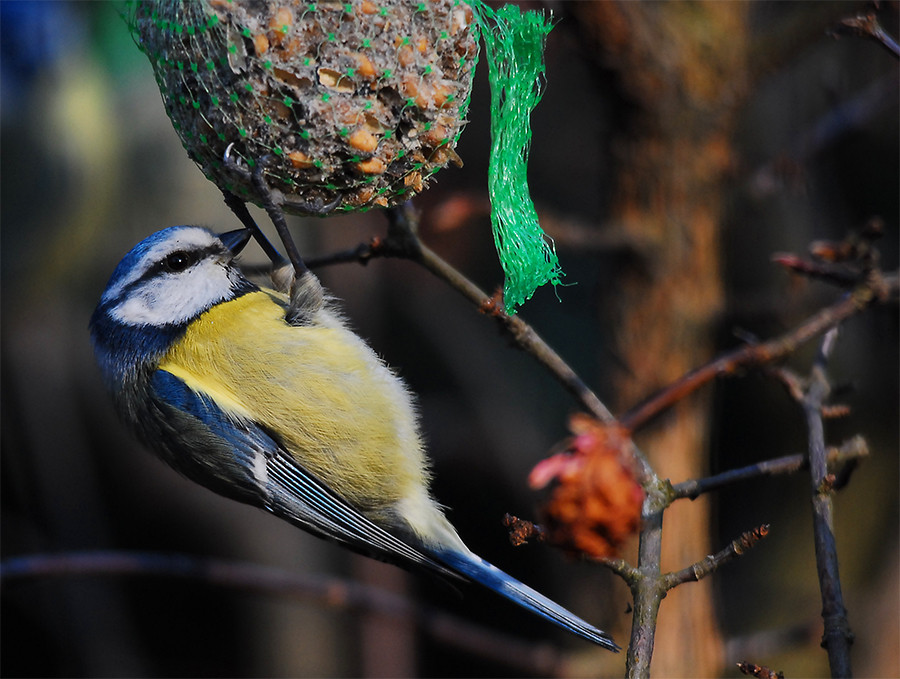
682 66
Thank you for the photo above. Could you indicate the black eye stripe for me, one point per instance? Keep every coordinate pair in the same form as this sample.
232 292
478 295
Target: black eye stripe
189 258
160 267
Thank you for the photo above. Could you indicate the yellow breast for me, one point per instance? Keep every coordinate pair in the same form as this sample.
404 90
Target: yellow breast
338 409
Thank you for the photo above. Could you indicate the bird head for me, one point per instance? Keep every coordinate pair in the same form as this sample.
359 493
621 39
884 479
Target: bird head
165 282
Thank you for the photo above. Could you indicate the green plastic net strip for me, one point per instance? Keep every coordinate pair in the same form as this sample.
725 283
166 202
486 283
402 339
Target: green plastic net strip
514 46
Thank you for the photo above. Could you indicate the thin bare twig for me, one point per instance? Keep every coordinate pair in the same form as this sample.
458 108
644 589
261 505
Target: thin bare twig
837 458
876 289
522 333
837 636
622 568
845 263
838 274
701 569
403 241
867 26
758 671
327 591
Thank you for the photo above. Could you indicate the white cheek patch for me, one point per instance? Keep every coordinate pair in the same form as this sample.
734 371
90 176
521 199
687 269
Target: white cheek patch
175 298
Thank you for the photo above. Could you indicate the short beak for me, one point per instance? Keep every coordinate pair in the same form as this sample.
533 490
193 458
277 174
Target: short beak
235 240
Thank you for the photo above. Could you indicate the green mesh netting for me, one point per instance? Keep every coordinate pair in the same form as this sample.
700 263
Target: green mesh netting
514 44
351 104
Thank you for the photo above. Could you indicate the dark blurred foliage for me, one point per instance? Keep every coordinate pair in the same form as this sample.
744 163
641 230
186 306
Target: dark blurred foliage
91 165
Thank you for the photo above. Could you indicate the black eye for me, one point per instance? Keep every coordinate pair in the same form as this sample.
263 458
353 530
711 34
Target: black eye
179 261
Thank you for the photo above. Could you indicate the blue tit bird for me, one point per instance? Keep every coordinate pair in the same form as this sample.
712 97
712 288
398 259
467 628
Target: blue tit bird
273 401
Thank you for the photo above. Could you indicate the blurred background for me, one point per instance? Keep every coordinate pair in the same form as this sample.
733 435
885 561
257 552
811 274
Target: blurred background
677 147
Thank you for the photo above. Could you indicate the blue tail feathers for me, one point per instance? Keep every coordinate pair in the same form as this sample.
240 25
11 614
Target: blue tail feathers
478 570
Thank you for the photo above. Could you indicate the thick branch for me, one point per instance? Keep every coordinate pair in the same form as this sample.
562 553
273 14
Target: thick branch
646 590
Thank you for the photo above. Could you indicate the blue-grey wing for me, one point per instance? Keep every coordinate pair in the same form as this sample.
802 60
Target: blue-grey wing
243 461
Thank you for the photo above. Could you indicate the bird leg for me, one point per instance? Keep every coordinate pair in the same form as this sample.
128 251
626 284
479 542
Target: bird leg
306 294
282 276
239 208
272 201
